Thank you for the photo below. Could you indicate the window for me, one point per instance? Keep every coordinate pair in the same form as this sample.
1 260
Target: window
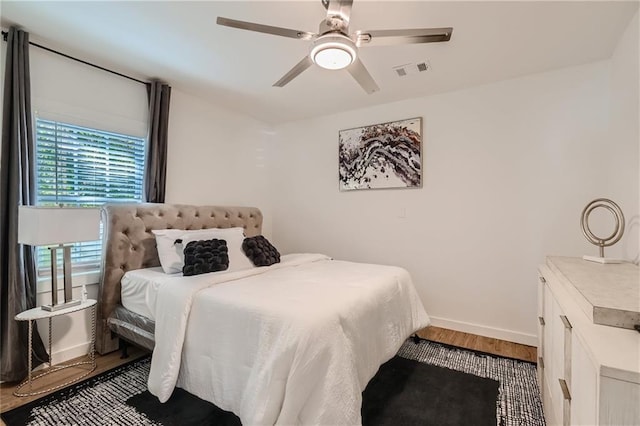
80 166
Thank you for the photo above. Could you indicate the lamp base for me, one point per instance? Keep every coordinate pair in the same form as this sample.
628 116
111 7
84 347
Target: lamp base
603 260
53 308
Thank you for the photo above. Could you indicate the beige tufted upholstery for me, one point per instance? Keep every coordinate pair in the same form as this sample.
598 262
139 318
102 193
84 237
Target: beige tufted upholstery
129 244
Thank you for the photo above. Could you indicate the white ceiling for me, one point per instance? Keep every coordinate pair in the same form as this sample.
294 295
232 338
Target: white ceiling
179 42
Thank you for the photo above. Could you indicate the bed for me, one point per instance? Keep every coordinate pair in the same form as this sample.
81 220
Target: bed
295 342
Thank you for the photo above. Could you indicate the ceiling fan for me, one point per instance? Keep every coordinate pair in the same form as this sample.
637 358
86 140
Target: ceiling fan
332 47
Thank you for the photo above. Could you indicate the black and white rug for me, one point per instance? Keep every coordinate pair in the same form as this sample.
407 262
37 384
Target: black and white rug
119 397
519 401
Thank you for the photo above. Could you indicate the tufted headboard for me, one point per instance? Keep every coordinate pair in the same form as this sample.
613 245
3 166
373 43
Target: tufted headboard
128 244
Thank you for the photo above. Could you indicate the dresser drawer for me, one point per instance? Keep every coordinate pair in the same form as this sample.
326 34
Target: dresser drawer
590 372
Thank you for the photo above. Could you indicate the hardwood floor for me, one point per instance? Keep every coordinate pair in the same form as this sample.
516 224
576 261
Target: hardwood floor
479 343
104 363
451 337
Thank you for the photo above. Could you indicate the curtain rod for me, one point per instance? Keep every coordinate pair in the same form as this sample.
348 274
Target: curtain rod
5 34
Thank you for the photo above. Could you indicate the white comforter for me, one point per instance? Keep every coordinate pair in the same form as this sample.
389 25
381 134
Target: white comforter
293 343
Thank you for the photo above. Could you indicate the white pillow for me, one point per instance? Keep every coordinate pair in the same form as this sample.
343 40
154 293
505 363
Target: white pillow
172 257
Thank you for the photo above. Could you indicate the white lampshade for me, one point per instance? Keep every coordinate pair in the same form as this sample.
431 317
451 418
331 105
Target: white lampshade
42 226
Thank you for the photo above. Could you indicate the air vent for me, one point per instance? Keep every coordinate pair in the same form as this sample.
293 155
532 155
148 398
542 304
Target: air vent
413 68
401 72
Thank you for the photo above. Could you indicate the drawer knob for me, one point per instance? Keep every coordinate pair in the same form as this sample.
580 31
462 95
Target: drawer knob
566 322
565 389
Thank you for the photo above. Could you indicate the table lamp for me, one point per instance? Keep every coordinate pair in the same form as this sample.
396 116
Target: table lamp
57 227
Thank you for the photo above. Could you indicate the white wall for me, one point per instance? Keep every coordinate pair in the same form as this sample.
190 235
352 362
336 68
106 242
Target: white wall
624 135
216 156
508 168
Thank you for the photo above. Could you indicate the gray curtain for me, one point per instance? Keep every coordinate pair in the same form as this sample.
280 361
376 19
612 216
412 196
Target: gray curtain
155 176
17 181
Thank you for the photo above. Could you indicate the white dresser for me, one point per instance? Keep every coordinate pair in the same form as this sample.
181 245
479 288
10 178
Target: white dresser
589 374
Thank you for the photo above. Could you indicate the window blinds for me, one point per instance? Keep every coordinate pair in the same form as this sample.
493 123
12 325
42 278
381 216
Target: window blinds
80 166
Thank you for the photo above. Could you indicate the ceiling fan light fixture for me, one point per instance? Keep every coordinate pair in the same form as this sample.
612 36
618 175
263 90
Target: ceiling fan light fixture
333 47
333 52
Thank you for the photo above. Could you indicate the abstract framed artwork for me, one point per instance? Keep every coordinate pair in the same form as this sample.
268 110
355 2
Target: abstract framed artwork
386 155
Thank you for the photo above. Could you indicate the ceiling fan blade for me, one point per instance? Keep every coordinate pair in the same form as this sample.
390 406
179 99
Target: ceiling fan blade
362 76
268 29
294 72
408 36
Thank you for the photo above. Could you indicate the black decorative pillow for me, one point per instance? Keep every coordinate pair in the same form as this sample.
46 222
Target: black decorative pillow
205 256
260 251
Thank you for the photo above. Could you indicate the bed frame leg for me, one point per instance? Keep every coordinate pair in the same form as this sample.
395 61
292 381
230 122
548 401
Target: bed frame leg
415 338
123 349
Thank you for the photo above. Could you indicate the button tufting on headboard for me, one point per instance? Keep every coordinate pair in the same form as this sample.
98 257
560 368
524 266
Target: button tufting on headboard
128 244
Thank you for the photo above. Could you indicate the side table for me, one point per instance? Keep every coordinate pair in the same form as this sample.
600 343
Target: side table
38 313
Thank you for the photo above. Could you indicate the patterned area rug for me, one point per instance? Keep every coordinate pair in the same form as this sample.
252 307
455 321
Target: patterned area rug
519 401
103 400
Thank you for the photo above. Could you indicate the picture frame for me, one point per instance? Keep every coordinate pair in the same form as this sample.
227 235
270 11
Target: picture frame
381 156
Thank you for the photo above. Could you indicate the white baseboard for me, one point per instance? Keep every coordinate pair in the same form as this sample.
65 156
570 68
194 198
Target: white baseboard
481 330
71 352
